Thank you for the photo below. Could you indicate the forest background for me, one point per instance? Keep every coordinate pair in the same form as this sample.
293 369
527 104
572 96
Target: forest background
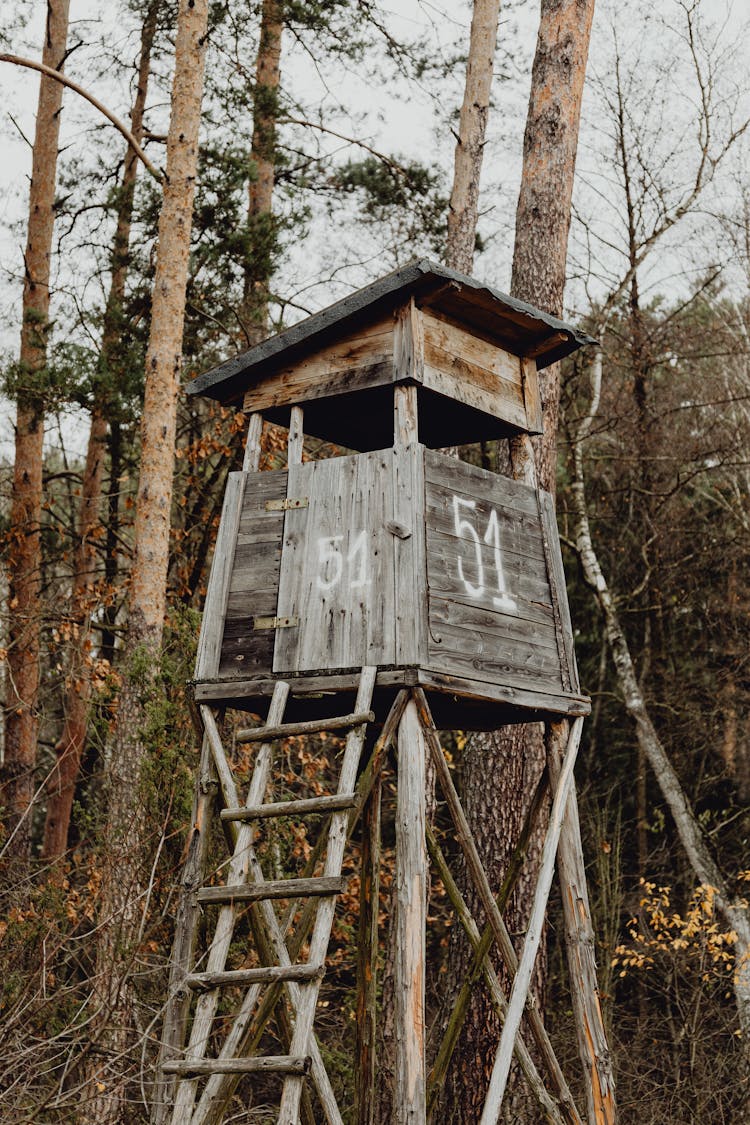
653 480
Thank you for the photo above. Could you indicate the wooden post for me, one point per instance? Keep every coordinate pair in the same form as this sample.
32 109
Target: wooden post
251 462
296 438
186 925
367 959
411 920
579 943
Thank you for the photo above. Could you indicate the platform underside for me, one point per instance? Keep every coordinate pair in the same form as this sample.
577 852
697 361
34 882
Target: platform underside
457 703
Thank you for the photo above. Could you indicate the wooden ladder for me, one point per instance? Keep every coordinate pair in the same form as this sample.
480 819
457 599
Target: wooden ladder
246 884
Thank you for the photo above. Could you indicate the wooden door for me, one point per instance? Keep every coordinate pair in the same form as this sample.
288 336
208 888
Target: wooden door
337 582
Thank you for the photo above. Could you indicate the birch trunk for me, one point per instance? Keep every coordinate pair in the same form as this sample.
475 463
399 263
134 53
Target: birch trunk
733 911
22 722
126 837
78 688
463 210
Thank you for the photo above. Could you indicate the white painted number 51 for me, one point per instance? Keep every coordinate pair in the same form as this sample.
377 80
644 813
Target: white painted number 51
465 529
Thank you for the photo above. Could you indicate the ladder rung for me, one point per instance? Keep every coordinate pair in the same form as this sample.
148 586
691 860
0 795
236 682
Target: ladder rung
293 808
310 726
270 974
271 1064
273 888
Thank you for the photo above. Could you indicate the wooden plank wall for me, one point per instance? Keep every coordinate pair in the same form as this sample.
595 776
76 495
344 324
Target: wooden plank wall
362 359
338 570
491 613
460 365
254 581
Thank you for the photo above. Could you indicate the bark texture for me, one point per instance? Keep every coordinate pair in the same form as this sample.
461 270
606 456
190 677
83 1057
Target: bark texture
78 687
550 145
254 315
22 722
502 768
126 834
463 211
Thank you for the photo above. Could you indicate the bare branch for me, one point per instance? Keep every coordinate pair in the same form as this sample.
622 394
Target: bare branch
17 60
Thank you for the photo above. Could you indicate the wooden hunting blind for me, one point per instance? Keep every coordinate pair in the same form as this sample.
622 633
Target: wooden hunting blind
425 593
433 570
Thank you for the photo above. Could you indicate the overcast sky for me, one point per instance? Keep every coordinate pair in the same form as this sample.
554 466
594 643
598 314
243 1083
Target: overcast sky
403 118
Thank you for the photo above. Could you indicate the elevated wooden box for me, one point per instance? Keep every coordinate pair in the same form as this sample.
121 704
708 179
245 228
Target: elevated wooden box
435 571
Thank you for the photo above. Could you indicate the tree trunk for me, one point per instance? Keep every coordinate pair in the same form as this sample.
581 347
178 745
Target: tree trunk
78 688
503 767
259 266
463 210
126 834
733 911
24 599
550 145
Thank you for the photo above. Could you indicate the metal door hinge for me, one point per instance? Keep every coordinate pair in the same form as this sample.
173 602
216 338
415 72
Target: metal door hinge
275 622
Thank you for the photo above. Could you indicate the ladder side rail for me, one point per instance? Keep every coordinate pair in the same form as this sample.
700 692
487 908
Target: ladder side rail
321 934
186 925
205 1008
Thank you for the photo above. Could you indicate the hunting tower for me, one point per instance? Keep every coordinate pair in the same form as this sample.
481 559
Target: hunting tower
410 591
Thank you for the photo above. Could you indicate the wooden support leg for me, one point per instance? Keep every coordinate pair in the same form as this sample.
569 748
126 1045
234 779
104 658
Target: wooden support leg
411 919
367 959
251 462
499 1001
579 941
520 990
186 925
502 937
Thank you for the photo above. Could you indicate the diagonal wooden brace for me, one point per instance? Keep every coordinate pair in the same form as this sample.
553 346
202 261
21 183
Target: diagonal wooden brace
481 882
522 981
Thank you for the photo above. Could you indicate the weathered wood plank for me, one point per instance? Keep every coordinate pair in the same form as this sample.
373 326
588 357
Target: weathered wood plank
527 698
411 921
531 396
270 889
454 568
497 627
242 688
328 804
269 974
464 652
364 358
408 545
251 460
559 588
296 438
337 573
212 626
408 343
453 387
472 370
479 484
270 1064
311 726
